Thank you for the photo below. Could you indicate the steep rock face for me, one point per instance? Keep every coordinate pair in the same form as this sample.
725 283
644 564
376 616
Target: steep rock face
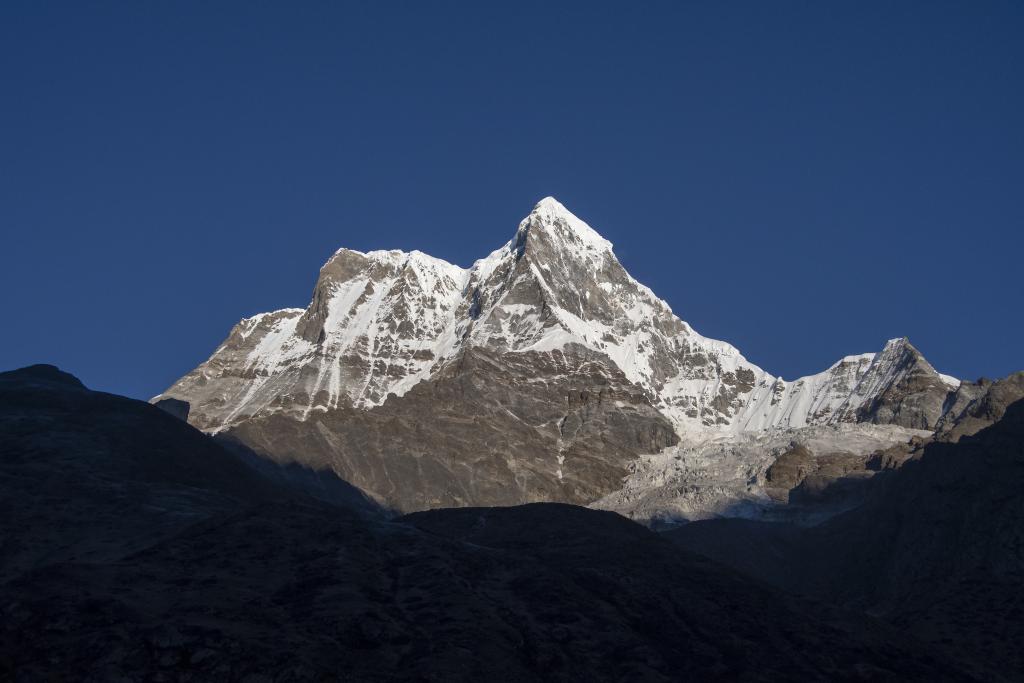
506 429
788 470
393 338
977 405
907 391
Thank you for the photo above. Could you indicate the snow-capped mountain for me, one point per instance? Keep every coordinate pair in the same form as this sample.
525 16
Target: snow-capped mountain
552 311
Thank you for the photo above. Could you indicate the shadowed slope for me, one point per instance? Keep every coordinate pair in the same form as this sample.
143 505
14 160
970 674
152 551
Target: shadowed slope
937 548
145 551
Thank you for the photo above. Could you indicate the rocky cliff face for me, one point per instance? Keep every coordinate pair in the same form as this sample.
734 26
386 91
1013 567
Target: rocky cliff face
542 372
528 427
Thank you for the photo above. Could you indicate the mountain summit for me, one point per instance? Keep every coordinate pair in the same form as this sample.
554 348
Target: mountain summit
539 373
555 224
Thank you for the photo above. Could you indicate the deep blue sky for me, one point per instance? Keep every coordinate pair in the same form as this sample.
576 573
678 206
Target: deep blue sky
802 179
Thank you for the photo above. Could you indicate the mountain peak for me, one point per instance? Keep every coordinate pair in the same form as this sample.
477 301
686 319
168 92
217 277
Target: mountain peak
901 348
549 202
552 218
899 342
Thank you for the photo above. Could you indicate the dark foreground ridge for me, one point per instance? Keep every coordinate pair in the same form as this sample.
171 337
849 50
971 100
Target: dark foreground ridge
937 549
137 548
